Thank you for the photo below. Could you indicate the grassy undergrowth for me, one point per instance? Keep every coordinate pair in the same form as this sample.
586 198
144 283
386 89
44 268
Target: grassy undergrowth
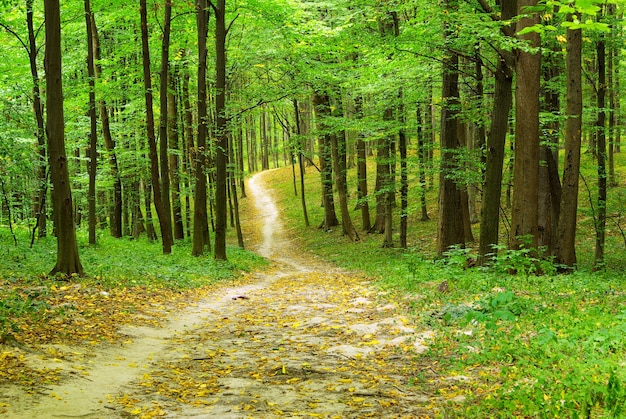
123 279
505 345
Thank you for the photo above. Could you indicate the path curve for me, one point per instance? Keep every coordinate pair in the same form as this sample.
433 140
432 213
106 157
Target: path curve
301 340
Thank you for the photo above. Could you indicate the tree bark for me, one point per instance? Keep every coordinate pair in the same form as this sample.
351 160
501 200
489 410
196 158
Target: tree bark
68 260
163 120
93 133
201 239
321 103
450 230
300 152
174 161
115 214
166 228
600 133
221 152
39 207
524 220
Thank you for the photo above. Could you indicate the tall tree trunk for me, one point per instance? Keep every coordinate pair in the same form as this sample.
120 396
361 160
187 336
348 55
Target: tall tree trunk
163 119
362 193
300 152
422 156
404 176
502 102
164 217
93 133
188 144
68 260
600 133
201 239
450 230
321 102
221 156
115 215
174 163
565 251
39 207
524 220
337 142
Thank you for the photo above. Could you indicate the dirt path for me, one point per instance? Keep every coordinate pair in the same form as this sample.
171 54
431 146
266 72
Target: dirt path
301 340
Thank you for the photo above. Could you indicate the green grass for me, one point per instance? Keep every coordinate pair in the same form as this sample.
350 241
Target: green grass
529 345
124 262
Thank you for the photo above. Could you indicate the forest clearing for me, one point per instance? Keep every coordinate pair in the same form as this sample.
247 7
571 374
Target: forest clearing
303 208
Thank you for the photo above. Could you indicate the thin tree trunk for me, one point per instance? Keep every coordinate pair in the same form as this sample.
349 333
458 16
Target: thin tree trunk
39 207
422 155
174 163
362 193
346 221
68 260
116 209
163 120
598 262
404 177
93 133
300 161
221 156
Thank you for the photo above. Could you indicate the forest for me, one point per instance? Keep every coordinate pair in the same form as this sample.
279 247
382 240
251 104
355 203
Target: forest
464 150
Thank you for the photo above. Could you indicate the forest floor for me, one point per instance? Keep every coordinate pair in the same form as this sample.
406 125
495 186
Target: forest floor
301 339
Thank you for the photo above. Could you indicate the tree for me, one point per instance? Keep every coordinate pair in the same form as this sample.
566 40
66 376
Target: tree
565 252
450 230
93 133
201 238
524 218
68 260
221 144
164 218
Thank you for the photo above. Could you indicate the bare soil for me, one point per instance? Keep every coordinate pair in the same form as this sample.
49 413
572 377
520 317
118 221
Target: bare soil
302 339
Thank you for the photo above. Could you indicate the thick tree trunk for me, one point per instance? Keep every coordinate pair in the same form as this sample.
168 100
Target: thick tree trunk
201 239
221 156
566 236
164 218
524 220
450 230
68 260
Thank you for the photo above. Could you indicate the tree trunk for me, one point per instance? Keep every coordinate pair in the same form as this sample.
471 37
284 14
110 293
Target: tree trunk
93 133
404 177
346 221
565 251
322 110
68 260
524 220
221 156
362 193
598 262
39 207
201 239
422 156
450 230
174 163
164 217
163 120
300 152
115 215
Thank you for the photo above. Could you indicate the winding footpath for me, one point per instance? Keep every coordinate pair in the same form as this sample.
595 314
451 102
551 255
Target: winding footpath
302 339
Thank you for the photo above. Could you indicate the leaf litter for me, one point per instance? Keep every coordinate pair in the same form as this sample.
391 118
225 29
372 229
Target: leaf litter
302 339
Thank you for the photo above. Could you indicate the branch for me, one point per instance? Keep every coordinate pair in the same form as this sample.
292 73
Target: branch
261 102
231 24
12 32
487 9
